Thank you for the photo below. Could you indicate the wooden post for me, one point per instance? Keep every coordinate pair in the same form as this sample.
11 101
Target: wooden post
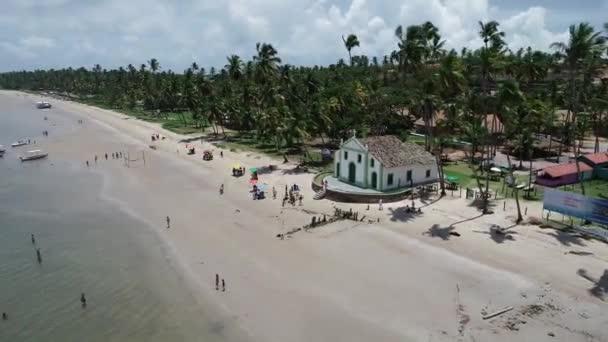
526 211
504 205
143 156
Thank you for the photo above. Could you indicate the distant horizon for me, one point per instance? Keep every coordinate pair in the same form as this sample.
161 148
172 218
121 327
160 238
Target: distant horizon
59 34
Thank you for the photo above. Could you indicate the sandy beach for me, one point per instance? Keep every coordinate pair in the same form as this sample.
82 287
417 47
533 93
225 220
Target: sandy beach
401 278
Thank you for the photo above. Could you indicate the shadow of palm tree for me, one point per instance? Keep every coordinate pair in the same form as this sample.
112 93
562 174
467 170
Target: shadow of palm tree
566 238
478 203
497 236
600 286
400 214
437 231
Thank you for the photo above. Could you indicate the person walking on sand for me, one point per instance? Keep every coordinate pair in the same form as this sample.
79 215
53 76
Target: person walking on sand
168 222
379 204
106 156
222 189
95 159
274 193
222 154
217 281
223 285
33 240
83 300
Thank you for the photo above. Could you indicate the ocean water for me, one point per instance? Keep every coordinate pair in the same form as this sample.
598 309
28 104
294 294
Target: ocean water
87 245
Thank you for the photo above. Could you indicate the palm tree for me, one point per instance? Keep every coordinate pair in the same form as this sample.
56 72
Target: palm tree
267 62
493 40
349 43
154 65
234 67
583 42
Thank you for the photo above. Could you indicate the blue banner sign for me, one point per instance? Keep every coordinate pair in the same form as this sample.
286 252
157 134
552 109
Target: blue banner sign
569 203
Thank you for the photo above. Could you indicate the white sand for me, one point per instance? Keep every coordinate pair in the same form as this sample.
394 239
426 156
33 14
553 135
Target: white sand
387 281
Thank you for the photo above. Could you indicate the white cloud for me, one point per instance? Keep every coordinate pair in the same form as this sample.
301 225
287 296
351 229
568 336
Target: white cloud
118 32
35 42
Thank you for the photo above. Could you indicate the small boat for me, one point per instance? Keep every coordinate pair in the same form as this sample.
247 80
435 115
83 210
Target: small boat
33 155
43 105
19 143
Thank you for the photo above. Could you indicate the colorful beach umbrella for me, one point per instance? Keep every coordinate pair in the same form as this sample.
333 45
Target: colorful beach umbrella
262 187
253 181
254 169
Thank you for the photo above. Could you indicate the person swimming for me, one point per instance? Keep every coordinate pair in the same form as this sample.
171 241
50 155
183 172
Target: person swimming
83 300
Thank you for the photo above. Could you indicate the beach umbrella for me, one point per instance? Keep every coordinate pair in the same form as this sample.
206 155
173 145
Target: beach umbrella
253 181
452 179
254 169
262 187
236 166
495 169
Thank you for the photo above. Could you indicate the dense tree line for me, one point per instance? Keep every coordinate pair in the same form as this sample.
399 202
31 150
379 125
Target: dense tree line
286 104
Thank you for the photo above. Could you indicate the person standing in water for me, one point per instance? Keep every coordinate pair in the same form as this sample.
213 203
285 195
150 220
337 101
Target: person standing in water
87 163
223 285
4 316
38 255
217 281
33 240
83 300
95 159
168 222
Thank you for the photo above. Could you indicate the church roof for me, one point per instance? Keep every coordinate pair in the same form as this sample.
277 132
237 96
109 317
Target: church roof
392 152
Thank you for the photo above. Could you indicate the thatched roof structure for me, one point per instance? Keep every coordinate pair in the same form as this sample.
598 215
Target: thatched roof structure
392 152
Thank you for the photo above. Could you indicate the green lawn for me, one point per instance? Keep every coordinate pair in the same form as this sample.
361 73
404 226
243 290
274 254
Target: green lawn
597 188
467 179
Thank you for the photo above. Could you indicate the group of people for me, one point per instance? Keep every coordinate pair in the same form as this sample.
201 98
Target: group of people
238 171
115 155
293 195
157 136
217 283
45 133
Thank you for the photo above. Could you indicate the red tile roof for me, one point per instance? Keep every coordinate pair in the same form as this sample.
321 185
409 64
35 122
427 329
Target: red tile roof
597 158
565 169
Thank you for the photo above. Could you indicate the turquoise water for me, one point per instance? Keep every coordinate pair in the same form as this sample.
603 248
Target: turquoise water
87 245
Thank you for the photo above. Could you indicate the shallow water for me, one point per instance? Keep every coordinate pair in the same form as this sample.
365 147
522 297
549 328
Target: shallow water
87 245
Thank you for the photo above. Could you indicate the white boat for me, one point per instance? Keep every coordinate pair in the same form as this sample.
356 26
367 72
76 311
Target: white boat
19 143
33 155
43 105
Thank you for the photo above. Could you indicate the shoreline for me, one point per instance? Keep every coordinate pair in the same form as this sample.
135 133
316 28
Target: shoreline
280 279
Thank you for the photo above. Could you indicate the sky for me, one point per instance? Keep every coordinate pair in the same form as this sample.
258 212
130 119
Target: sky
42 34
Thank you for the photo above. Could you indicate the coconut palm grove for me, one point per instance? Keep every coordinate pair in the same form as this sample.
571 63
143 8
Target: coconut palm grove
284 107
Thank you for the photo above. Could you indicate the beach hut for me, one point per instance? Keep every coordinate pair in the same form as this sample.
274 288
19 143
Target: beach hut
563 174
599 163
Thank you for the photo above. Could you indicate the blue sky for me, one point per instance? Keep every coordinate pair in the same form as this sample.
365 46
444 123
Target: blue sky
62 33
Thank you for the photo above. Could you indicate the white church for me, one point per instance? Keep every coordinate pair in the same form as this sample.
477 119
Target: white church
384 163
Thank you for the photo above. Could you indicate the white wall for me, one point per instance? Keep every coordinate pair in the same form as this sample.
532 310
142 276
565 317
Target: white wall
370 170
400 175
344 165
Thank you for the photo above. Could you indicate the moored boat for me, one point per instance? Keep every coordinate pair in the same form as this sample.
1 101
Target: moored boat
33 155
43 105
19 143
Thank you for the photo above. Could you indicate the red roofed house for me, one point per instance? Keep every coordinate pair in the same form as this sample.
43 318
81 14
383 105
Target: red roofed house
599 162
563 174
